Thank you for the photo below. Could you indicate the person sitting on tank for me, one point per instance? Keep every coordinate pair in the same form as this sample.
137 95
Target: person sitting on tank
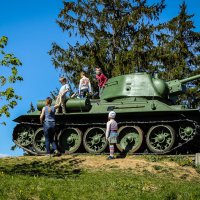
61 98
84 89
111 133
47 118
102 79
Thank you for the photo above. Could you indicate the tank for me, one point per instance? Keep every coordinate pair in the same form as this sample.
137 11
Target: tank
148 120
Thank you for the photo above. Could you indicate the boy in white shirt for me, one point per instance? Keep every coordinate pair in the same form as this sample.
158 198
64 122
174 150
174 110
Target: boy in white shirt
62 94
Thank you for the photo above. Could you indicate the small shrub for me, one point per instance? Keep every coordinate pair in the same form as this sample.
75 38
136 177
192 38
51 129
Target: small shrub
171 196
157 167
153 158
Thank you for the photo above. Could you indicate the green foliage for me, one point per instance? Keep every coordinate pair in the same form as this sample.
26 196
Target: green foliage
123 36
59 178
13 147
115 35
158 167
198 169
53 168
54 94
181 160
179 53
180 50
7 93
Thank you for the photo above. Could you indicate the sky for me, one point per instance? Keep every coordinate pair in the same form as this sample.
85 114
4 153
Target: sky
31 28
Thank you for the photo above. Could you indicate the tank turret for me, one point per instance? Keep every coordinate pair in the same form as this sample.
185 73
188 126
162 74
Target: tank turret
142 85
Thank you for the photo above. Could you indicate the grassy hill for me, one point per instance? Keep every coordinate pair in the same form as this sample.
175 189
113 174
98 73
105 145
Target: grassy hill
93 177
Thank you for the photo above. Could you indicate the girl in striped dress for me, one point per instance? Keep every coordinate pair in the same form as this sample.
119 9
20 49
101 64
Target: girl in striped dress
111 133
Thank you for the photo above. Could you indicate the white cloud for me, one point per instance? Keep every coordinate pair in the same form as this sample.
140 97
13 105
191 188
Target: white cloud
3 155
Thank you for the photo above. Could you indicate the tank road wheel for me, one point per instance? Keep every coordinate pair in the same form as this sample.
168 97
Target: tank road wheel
130 138
186 131
160 139
39 141
69 140
94 140
23 135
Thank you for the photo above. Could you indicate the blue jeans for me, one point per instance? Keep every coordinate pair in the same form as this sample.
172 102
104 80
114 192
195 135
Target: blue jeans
83 93
49 132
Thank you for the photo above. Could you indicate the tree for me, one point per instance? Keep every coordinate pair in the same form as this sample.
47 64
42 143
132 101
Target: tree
123 36
116 35
180 51
9 75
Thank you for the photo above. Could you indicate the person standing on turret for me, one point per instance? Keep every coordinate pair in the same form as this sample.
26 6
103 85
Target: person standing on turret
101 78
84 86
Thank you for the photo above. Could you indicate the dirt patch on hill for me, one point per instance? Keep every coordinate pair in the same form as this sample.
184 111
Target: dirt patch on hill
135 164
138 165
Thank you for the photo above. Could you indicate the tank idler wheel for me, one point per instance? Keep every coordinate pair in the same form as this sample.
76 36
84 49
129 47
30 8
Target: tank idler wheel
130 138
69 140
23 135
160 139
186 131
39 141
94 140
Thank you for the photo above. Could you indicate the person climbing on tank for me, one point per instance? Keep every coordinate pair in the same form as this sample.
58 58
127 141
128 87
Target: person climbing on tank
47 118
102 79
111 133
84 88
61 98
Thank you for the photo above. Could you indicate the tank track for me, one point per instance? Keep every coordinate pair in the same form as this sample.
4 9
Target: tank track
30 151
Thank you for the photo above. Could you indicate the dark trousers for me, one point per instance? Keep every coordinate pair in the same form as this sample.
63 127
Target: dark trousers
83 93
49 132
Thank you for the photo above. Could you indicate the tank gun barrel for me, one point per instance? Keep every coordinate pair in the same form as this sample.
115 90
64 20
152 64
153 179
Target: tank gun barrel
176 86
190 79
70 105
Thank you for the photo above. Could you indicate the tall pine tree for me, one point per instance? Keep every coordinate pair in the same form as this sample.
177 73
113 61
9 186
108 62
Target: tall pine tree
179 52
115 35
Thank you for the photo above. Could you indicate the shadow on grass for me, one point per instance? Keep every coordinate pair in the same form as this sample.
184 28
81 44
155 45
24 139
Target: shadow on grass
122 154
61 168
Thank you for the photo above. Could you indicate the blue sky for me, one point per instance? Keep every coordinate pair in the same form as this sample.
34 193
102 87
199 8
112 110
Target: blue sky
31 28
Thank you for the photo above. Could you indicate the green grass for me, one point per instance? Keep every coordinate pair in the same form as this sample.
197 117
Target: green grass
57 178
180 159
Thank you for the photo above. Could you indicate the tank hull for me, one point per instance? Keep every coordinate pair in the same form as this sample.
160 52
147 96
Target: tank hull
148 119
136 123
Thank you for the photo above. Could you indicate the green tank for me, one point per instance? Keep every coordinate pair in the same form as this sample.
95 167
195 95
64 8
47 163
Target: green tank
148 120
